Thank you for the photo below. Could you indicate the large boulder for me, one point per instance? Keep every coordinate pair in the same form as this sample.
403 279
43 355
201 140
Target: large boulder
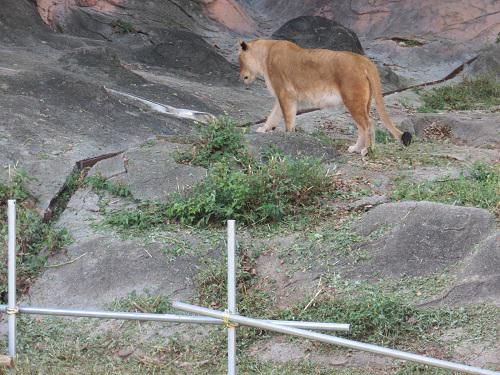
421 238
319 32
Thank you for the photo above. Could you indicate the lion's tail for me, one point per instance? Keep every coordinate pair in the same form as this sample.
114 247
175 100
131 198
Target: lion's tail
376 90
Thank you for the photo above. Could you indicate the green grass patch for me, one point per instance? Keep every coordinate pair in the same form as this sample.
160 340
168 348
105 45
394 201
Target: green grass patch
383 318
99 183
35 240
483 92
480 187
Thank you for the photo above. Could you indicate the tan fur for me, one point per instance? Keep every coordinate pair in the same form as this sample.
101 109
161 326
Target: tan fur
318 76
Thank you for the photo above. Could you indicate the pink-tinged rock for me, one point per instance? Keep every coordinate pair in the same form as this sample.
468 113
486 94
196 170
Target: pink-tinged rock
230 14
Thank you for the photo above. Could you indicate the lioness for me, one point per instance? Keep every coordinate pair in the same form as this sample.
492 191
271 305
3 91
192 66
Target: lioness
321 77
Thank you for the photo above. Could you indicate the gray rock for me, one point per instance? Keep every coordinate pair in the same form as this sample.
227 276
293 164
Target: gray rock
111 268
292 144
368 202
424 174
486 64
422 237
151 171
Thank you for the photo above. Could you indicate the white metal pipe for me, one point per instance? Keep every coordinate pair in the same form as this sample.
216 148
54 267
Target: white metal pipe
231 295
11 214
169 318
334 340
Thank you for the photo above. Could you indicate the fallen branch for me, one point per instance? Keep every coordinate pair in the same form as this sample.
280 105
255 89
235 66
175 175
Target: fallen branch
65 263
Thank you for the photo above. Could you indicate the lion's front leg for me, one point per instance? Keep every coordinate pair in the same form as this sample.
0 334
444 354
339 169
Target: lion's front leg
289 109
272 120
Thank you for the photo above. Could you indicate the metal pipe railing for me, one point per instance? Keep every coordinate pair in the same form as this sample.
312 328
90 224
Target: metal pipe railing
168 318
11 288
332 339
231 296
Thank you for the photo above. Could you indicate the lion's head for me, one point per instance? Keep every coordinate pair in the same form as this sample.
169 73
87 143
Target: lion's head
250 67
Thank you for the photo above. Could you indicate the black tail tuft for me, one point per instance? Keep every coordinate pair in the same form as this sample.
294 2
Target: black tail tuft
406 138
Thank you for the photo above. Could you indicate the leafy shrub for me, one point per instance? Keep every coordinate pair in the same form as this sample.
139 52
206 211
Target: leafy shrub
264 193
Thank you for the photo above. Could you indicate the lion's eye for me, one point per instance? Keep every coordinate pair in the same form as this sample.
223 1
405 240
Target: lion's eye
246 77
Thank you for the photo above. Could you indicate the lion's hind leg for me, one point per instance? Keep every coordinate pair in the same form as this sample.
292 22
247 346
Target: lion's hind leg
358 107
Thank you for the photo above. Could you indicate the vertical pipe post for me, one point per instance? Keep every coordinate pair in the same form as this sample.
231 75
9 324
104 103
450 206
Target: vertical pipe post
11 214
231 296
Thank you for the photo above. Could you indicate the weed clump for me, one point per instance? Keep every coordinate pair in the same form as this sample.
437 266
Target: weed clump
221 142
483 92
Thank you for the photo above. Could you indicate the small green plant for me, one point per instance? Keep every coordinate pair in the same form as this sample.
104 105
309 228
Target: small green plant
480 187
144 302
498 38
122 27
221 141
36 240
381 136
99 183
144 217
483 92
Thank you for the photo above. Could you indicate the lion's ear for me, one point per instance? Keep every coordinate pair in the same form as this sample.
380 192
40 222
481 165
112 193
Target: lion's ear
243 45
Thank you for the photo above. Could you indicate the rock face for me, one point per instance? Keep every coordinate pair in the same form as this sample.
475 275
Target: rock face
319 32
455 19
487 63
475 130
187 53
106 267
150 171
422 237
230 14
